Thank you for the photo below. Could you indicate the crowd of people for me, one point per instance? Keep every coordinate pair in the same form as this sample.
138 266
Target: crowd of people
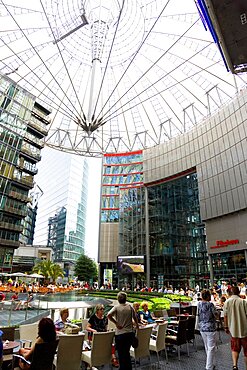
128 317
228 300
234 307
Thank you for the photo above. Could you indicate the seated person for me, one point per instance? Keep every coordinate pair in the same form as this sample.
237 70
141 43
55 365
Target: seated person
15 297
26 303
98 323
46 334
2 296
136 306
61 323
145 315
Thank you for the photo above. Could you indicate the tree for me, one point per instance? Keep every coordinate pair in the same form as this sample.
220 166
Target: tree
49 270
86 268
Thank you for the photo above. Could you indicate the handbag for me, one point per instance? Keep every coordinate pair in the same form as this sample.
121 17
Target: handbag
135 340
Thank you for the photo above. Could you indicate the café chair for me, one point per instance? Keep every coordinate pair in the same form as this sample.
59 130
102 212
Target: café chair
84 323
69 352
143 335
171 312
42 359
159 343
179 337
28 333
101 349
111 326
190 332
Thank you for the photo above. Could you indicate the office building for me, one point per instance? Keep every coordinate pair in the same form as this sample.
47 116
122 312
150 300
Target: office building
23 126
61 214
194 204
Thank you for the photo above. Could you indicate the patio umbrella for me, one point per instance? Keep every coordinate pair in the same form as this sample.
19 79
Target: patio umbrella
36 276
18 274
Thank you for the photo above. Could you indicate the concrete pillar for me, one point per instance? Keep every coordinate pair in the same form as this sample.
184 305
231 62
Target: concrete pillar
211 270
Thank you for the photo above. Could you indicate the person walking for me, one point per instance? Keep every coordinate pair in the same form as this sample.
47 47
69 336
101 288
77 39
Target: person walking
235 324
121 315
207 315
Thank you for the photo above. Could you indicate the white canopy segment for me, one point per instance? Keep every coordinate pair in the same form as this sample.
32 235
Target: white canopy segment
119 75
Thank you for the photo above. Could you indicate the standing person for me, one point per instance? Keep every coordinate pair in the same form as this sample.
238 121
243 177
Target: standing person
98 323
121 315
207 315
235 324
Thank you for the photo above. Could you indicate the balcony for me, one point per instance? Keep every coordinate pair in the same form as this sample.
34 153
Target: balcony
38 125
26 182
26 151
20 196
15 211
9 243
34 140
12 227
29 168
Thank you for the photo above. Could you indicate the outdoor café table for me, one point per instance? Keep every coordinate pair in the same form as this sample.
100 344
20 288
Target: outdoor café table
8 347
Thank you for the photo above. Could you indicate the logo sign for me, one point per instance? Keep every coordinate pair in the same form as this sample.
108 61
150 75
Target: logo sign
224 243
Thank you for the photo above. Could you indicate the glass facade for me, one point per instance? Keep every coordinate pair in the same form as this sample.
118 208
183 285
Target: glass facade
20 147
177 235
61 214
132 222
230 266
177 240
119 171
122 180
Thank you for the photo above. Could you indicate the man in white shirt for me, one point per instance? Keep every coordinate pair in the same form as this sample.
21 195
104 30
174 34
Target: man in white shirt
235 324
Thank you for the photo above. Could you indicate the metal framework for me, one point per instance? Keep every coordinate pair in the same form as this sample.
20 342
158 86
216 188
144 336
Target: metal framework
118 75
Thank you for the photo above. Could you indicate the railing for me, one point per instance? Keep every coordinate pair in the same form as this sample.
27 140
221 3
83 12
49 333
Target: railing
30 153
9 226
38 125
24 181
16 211
34 140
9 243
26 315
20 196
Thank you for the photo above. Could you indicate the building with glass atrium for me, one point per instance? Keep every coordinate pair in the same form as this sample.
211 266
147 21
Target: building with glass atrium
158 89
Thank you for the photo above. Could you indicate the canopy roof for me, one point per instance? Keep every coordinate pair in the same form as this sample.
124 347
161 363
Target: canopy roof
119 75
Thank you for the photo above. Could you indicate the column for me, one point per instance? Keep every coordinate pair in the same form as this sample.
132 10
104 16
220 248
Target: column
211 270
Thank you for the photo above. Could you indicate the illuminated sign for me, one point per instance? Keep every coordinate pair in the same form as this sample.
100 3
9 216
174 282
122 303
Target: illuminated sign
224 243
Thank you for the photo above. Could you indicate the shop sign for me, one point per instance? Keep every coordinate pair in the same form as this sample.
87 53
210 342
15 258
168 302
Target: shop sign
224 243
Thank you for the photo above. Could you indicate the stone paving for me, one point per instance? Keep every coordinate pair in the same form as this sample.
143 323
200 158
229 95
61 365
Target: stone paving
197 359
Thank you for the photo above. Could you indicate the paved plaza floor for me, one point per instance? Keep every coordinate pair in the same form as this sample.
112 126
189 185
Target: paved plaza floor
197 359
